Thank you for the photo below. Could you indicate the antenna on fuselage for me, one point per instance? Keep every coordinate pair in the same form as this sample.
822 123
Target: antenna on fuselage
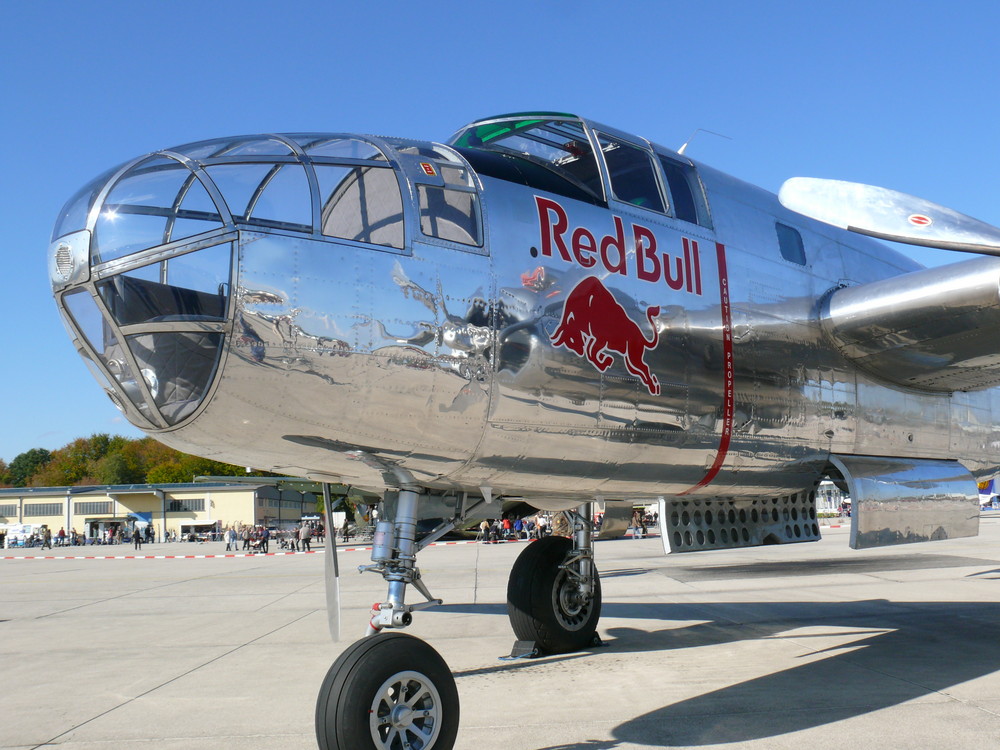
700 130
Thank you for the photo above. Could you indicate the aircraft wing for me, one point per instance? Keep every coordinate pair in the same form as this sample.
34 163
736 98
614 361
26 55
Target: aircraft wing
888 215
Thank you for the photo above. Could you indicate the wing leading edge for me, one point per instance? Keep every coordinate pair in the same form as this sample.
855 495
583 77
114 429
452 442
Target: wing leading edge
888 215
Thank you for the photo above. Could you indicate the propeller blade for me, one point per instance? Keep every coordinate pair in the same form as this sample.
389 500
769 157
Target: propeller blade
888 215
331 569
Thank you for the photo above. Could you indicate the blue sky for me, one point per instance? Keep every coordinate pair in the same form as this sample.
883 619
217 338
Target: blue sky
899 94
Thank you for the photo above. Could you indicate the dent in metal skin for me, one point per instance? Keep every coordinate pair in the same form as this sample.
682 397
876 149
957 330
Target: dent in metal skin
357 354
898 500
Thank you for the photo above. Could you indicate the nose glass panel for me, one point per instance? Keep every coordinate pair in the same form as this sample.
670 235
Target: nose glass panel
361 204
266 193
165 324
191 287
142 257
155 203
73 216
107 348
178 368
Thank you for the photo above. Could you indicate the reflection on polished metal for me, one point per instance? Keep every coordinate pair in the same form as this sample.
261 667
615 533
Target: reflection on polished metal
918 330
296 302
616 521
888 214
898 500
544 310
728 523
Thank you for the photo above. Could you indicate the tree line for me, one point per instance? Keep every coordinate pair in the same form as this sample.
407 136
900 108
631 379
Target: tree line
111 459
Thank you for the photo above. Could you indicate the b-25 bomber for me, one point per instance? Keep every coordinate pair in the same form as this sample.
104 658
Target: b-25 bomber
545 310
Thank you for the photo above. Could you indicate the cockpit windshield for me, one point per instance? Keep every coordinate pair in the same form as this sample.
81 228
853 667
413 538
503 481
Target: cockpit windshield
559 144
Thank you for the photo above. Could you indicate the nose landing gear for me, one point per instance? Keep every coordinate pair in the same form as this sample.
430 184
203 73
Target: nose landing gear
391 691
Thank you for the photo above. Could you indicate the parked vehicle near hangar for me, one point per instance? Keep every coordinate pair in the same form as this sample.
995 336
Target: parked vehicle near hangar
544 309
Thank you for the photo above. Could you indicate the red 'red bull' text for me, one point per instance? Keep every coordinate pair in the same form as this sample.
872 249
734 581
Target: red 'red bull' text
648 263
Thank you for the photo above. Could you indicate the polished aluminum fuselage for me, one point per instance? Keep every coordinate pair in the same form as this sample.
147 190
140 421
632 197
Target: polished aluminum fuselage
441 359
484 399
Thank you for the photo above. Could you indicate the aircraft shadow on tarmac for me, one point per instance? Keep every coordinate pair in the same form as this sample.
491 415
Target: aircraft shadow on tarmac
784 568
886 653
924 648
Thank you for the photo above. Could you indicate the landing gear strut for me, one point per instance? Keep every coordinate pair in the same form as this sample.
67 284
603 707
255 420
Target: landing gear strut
391 691
554 591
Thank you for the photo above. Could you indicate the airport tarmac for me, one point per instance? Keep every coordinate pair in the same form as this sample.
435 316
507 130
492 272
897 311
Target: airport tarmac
807 645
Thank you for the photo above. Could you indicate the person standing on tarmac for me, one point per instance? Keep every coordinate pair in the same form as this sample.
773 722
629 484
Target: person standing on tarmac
137 537
560 525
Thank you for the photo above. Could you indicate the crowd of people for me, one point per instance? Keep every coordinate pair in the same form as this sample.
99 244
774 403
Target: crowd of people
44 537
258 538
253 538
299 538
511 527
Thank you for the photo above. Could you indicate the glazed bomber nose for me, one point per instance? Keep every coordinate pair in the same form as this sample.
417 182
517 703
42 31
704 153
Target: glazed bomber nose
142 259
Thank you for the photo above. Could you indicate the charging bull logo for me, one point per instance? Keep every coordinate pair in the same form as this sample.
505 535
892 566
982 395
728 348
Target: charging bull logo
593 323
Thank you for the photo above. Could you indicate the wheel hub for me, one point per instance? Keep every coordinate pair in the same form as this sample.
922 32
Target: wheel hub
571 606
571 601
406 713
401 717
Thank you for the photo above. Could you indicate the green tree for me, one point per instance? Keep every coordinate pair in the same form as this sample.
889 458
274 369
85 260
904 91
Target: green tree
168 472
111 459
120 467
78 462
26 464
184 468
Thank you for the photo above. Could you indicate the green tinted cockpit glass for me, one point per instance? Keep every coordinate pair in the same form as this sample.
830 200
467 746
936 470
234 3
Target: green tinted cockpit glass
558 144
490 131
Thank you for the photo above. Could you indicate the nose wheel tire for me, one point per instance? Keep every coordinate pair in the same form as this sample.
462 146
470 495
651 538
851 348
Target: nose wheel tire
544 601
388 692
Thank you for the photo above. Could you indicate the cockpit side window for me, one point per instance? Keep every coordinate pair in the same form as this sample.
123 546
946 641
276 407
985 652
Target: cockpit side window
559 147
686 194
450 211
790 243
680 192
632 174
361 204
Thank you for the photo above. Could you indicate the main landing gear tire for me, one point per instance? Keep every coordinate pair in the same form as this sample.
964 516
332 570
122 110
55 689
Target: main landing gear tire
388 692
544 604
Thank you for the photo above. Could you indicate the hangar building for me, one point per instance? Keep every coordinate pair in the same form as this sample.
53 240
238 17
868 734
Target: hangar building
173 510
